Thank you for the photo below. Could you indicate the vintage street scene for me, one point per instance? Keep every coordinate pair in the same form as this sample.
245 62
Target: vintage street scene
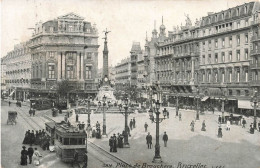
120 84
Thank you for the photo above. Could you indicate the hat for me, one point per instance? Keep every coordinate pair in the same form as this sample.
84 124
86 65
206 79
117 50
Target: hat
24 147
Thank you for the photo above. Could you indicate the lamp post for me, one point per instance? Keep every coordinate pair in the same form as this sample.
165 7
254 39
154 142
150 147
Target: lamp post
255 105
177 104
126 105
157 158
89 112
104 114
197 109
223 99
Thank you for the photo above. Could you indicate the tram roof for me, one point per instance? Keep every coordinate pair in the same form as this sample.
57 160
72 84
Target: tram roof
63 129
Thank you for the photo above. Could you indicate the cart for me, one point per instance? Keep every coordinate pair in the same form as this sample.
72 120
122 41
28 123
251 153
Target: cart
12 115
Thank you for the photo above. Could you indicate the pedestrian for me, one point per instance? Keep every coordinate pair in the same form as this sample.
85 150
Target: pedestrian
30 153
213 109
24 154
33 112
165 139
228 124
145 126
252 130
111 143
32 137
89 131
85 160
259 126
168 114
77 117
131 124
192 124
149 140
243 123
9 103
30 112
220 132
36 157
179 116
97 125
114 143
75 159
134 122
203 126
128 131
219 119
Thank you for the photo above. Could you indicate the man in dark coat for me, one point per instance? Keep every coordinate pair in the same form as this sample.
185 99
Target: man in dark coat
30 154
149 140
114 143
220 132
24 154
145 126
9 103
32 138
134 122
111 144
77 117
243 123
131 124
165 139
219 119
85 160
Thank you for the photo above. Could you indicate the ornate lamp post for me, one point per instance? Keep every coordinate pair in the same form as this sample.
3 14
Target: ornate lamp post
89 112
104 114
177 104
254 104
197 109
223 99
157 158
126 105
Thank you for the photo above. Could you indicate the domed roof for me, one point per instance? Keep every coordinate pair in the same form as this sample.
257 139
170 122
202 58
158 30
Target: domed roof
162 26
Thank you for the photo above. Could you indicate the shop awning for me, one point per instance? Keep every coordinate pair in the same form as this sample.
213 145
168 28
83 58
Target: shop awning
11 93
205 98
244 104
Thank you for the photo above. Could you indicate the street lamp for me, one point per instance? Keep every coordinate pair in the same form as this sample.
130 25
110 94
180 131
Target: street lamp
177 104
198 97
223 99
157 158
255 104
126 105
104 114
89 112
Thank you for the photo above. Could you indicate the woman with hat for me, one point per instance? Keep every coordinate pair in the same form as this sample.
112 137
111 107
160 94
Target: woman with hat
24 153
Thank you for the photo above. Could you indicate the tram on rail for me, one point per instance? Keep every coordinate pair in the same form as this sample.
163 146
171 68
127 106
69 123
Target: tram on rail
67 140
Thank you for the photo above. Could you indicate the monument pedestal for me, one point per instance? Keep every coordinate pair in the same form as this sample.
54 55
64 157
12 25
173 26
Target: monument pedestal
108 91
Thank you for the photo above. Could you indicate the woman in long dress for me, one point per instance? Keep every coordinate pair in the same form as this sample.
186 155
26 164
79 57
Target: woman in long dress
36 157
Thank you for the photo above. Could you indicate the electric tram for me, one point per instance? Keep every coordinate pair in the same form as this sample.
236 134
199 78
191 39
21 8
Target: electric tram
68 140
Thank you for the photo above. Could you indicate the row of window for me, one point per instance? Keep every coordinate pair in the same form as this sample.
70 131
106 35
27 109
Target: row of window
223 40
223 57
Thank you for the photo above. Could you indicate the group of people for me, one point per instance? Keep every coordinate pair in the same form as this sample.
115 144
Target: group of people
132 123
32 112
116 142
32 154
38 138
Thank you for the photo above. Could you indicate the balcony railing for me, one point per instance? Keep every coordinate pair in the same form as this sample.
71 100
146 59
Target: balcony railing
254 52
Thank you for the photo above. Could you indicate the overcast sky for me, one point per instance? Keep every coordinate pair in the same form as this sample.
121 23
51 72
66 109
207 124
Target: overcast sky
127 20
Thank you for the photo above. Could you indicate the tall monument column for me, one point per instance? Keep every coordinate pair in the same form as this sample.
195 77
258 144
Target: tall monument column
105 56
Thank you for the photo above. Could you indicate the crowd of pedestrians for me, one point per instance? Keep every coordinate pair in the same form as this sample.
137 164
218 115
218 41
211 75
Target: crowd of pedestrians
37 138
32 154
116 142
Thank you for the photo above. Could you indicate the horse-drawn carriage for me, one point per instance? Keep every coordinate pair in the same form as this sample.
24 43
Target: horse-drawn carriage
12 115
234 119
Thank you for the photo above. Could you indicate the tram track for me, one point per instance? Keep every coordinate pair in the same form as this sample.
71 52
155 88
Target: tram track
94 150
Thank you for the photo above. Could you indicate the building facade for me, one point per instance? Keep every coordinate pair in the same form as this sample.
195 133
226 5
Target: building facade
65 48
18 71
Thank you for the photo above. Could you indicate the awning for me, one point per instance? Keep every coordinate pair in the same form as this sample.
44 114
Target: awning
11 93
244 104
204 98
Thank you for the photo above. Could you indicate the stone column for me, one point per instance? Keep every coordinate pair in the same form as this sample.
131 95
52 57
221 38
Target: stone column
59 70
78 65
82 64
63 66
192 69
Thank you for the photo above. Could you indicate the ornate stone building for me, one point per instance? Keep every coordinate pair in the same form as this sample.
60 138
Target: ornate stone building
123 73
225 54
65 48
18 71
61 49
177 60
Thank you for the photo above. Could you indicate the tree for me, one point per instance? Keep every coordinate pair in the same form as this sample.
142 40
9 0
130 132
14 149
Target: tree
64 88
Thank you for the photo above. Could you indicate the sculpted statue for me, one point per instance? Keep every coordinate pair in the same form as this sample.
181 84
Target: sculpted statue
188 21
